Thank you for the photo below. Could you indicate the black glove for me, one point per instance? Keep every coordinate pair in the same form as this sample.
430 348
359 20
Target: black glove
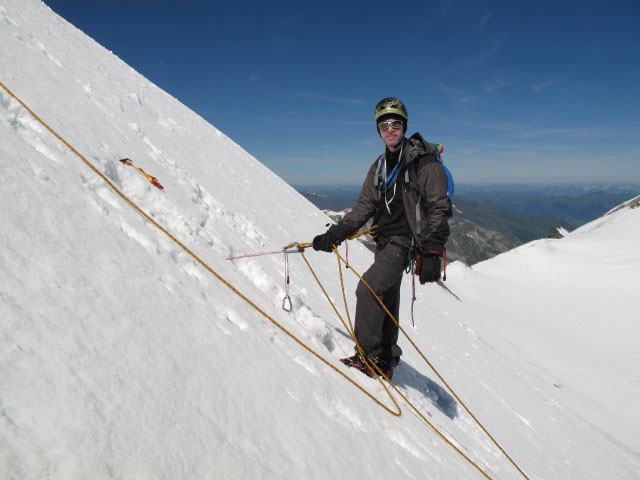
325 242
429 268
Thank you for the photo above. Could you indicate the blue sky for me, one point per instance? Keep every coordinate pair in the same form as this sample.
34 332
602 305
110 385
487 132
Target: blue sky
517 91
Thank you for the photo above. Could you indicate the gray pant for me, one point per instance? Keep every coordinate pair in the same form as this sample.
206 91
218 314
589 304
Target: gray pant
376 333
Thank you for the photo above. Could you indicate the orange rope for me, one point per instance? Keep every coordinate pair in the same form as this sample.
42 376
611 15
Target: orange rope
340 259
263 313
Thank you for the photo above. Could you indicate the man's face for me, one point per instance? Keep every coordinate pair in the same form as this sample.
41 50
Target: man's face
392 137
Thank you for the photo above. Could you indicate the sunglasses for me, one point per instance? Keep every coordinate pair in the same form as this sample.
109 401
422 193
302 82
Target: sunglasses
395 124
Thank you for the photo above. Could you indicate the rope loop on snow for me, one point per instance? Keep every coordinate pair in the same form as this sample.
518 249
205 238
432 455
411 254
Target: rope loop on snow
300 248
379 300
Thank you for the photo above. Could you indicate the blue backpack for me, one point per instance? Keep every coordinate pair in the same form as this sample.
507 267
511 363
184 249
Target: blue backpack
452 185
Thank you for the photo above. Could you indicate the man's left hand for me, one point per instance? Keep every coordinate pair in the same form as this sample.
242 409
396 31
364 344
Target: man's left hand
429 268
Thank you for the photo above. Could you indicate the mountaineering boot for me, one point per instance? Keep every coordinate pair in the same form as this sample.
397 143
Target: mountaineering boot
357 362
386 365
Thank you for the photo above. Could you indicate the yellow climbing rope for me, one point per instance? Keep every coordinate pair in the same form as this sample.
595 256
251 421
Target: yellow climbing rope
397 411
371 364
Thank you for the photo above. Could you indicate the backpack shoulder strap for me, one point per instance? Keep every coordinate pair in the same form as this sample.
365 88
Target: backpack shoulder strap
377 179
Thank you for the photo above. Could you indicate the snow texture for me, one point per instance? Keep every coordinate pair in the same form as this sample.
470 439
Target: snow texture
121 357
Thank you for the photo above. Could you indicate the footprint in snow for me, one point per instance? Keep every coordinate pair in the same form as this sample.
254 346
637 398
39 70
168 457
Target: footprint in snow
137 236
234 318
4 16
339 410
404 469
170 124
314 326
135 97
32 132
305 362
399 439
44 50
292 395
258 276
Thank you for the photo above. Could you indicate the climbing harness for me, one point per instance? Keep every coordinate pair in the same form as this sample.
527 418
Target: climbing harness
152 180
292 248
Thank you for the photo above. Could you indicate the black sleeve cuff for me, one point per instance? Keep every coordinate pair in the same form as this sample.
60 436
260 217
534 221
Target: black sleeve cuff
340 231
433 249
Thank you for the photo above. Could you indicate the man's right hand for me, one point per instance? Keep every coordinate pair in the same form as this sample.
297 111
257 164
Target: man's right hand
325 242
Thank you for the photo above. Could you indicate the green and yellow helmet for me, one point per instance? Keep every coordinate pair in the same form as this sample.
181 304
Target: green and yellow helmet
391 106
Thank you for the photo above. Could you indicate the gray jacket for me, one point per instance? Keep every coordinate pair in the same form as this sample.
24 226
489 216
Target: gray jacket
427 206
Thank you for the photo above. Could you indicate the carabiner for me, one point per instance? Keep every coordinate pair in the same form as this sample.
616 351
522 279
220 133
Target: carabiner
287 306
292 248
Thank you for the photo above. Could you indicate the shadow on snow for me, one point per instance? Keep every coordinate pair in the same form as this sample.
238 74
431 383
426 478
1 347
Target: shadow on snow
407 376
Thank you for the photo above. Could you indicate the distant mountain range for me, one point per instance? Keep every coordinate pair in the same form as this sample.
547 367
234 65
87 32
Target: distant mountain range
489 220
572 190
565 202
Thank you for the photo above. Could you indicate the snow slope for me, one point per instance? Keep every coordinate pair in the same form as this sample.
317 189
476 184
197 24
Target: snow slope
120 357
576 303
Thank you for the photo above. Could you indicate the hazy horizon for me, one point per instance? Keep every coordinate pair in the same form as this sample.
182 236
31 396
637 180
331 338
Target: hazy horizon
630 185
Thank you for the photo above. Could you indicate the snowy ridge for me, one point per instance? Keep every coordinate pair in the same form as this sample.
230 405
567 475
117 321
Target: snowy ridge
633 203
122 358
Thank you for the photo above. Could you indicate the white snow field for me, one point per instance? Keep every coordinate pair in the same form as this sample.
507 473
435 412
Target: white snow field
121 357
